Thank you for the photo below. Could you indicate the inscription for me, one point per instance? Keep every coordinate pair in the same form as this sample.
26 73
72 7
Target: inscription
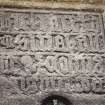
53 42
51 64
76 84
71 22
43 51
51 31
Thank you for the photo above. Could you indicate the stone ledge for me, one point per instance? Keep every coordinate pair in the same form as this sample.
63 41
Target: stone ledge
71 1
58 4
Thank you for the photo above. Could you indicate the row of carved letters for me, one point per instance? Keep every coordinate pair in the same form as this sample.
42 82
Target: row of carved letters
44 22
53 64
77 84
67 43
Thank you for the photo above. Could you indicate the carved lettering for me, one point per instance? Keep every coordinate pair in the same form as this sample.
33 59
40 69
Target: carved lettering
52 50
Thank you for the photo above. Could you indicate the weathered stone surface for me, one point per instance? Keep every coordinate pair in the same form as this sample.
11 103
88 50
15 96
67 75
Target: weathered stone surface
52 56
59 4
75 1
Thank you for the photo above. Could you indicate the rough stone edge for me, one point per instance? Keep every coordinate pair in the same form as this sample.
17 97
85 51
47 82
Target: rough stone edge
48 5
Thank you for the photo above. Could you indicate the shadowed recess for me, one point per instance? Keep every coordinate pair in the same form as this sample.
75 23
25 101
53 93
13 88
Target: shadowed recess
56 100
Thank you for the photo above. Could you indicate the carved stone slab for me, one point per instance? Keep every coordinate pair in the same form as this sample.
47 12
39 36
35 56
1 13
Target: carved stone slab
51 52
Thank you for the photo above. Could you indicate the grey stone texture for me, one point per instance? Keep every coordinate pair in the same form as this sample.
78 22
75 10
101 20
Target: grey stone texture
52 57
